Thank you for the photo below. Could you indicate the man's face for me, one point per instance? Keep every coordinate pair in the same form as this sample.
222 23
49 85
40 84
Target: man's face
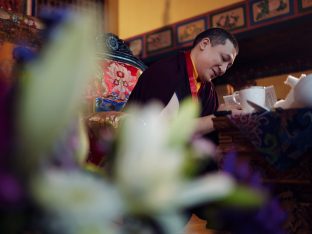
213 61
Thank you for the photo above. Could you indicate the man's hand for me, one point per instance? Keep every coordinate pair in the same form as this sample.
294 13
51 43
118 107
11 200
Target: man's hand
235 109
205 124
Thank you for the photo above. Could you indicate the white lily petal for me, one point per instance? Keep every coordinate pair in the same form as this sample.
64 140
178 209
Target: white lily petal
54 85
179 135
171 223
82 142
147 169
82 197
83 227
205 189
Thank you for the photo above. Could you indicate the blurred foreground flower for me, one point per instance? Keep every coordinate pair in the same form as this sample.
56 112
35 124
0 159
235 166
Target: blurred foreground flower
51 93
151 159
153 156
77 202
148 182
40 116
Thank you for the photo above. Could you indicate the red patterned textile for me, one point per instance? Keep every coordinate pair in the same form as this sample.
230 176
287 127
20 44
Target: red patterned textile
120 79
114 82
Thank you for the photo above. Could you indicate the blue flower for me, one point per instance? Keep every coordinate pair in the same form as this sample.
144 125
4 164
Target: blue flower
52 19
22 54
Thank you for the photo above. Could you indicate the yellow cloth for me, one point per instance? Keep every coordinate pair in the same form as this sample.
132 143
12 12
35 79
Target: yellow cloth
195 74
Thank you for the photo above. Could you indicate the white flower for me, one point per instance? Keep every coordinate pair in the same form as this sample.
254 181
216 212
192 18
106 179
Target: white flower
147 170
77 196
205 189
51 95
151 159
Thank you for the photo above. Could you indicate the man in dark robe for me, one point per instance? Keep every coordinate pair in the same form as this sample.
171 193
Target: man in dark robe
189 73
169 76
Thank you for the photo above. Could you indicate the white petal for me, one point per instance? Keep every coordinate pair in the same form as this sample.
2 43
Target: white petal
206 189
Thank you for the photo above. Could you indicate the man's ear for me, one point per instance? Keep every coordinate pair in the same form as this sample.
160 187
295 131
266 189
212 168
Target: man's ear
204 43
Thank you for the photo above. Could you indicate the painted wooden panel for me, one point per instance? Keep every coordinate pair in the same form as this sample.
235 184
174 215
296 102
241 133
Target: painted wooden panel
159 40
187 31
230 19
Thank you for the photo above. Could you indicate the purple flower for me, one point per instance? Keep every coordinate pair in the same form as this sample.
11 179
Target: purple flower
11 191
241 171
269 218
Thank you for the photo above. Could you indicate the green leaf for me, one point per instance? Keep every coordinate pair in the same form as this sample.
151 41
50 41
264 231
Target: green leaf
244 197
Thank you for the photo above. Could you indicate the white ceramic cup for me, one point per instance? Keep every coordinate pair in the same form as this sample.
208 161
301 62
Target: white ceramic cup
228 99
255 94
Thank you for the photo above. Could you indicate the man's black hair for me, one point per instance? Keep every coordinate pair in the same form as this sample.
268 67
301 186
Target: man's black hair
217 36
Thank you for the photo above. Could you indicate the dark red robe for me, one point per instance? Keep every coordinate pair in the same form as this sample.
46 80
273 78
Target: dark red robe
168 76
